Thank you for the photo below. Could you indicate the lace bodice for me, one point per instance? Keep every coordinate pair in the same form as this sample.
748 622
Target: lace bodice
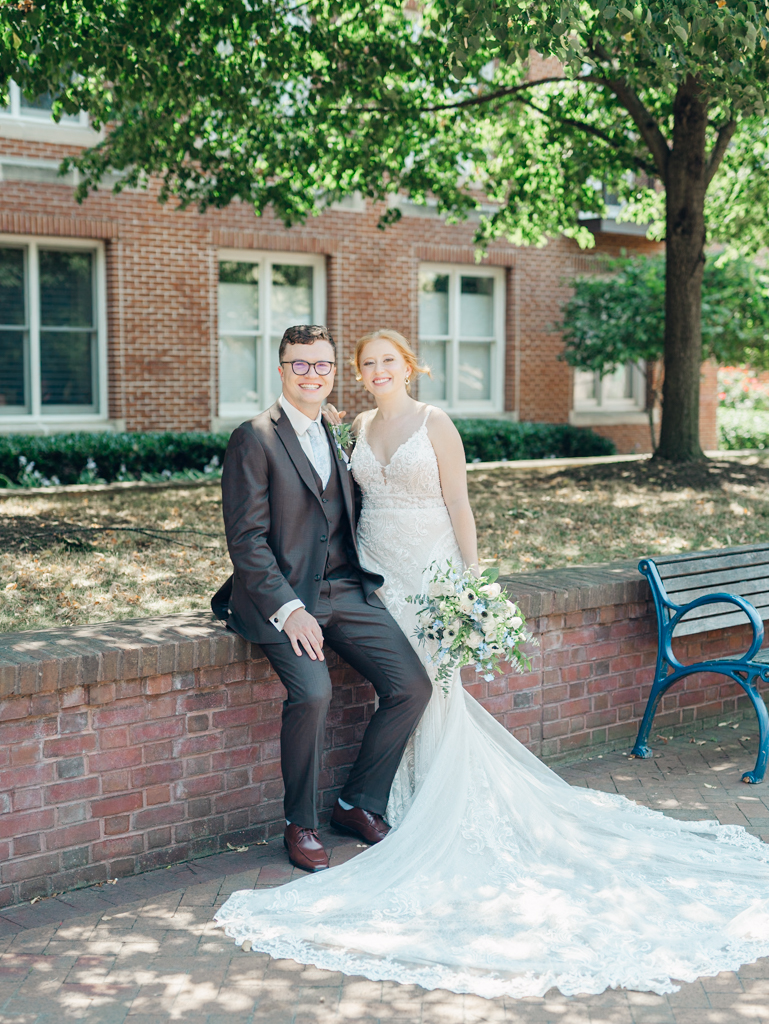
411 478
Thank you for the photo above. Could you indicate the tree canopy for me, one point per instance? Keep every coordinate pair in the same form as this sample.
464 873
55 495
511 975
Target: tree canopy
617 316
288 104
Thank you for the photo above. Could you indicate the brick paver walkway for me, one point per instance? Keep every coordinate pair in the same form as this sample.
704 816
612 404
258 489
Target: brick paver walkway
145 950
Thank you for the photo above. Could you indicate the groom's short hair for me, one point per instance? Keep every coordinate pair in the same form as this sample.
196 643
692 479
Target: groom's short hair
304 334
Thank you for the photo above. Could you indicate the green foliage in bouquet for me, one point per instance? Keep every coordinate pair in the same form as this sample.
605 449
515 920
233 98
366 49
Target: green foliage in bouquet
464 620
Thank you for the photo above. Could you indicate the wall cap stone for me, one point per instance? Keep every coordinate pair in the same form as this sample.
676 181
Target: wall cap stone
43 660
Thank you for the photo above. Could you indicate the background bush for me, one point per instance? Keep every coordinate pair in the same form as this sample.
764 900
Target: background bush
495 440
743 428
89 458
30 460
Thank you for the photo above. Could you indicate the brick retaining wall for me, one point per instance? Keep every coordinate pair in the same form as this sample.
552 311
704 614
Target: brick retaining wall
127 746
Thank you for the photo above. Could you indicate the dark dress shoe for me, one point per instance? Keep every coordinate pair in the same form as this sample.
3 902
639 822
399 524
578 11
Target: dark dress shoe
372 828
305 850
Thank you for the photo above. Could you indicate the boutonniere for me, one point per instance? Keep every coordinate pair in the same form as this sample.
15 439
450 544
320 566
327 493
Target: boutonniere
342 439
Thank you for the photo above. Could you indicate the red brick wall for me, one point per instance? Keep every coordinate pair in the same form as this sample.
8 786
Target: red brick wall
127 746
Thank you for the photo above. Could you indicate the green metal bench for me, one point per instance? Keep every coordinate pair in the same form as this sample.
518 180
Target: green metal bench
695 594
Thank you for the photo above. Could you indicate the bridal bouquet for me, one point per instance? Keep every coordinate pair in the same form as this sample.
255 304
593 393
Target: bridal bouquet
465 620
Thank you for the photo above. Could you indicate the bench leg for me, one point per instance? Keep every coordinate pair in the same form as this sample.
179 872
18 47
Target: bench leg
641 749
758 772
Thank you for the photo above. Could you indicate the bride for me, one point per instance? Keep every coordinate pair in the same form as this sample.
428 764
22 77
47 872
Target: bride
497 878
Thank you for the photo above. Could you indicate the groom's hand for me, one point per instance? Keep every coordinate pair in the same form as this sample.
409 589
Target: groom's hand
302 628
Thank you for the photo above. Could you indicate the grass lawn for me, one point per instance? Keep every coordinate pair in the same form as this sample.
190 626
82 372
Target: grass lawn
71 559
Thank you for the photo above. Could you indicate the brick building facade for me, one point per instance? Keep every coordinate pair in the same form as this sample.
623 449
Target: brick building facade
121 313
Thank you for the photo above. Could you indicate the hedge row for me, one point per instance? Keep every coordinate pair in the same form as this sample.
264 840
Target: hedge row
497 440
30 460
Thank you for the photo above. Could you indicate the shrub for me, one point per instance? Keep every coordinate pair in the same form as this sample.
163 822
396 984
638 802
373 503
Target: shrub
742 428
30 460
497 440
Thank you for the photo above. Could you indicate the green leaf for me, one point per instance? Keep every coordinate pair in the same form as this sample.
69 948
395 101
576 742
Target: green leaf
681 32
491 573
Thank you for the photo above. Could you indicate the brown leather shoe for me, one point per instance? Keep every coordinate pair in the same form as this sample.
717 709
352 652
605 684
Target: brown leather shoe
372 828
305 850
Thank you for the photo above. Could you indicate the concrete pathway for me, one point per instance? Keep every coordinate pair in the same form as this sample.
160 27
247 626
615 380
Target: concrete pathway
145 951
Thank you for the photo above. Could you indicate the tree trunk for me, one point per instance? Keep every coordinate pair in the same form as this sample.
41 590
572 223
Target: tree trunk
685 188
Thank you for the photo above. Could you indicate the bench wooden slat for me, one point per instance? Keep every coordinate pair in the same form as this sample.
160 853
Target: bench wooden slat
718 579
753 590
705 561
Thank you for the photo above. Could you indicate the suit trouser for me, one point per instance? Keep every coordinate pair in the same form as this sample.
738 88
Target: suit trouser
369 639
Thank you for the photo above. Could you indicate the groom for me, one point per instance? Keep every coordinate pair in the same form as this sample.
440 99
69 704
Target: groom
297 585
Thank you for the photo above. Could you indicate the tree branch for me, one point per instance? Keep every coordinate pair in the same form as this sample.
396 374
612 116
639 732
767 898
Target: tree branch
645 122
590 129
644 119
719 149
500 94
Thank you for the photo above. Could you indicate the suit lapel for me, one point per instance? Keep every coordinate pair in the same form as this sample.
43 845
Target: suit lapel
287 434
344 477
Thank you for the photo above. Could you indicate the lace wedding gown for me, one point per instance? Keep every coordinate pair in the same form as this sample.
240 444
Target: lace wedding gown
499 878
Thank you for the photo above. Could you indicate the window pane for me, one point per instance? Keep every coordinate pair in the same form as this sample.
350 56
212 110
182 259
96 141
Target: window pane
617 386
274 377
291 297
433 354
474 372
12 364
584 386
238 297
433 305
66 367
66 289
41 106
12 286
237 369
476 307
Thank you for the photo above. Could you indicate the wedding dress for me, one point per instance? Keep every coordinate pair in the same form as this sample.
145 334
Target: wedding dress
499 878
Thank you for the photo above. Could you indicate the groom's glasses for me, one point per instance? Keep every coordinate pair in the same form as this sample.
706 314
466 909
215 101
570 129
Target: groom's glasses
301 368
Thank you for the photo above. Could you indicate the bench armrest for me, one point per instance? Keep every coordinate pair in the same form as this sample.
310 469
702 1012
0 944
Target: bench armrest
744 605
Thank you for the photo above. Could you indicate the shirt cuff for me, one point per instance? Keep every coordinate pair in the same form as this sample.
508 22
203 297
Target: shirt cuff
279 618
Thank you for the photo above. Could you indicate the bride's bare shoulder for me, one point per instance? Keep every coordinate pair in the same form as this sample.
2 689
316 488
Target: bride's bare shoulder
439 423
357 423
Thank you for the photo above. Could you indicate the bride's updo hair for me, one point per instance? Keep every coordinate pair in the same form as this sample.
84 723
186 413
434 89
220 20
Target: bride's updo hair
400 343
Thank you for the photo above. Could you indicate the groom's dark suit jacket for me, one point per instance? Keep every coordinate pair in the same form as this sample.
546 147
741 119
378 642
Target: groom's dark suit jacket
277 527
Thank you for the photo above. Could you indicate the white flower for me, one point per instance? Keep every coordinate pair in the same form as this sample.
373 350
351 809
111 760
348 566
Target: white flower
512 607
424 619
456 625
495 648
475 639
435 589
491 590
465 606
515 622
447 638
468 594
448 590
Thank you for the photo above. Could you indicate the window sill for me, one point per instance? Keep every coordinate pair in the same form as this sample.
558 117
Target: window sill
58 424
30 130
610 417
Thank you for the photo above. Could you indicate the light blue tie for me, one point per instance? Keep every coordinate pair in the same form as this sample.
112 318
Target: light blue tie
320 451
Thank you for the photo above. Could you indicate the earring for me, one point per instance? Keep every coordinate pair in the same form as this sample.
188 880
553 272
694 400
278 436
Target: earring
408 380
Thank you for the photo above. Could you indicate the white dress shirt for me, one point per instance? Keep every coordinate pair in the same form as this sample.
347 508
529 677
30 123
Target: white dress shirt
301 425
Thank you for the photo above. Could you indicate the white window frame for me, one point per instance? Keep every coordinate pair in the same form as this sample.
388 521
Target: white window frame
36 418
231 412
14 111
598 404
453 404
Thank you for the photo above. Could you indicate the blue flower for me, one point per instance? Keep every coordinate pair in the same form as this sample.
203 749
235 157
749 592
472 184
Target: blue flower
489 676
479 607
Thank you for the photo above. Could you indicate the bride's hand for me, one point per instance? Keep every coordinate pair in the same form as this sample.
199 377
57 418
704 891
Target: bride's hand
332 414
